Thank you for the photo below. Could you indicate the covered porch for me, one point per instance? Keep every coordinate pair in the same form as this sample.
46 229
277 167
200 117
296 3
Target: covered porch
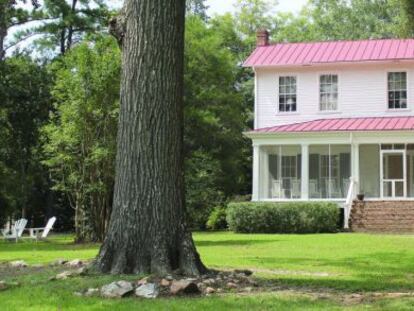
326 171
332 165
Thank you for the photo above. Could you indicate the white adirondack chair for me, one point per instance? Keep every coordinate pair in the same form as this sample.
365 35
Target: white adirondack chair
16 231
42 233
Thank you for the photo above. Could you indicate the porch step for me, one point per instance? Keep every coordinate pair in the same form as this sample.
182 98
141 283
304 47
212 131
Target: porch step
382 216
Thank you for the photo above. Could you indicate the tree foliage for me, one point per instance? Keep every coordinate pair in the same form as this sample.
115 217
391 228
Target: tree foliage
12 15
24 108
66 22
81 136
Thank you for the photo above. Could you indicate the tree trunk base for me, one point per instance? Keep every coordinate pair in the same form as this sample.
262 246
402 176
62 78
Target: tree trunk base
160 260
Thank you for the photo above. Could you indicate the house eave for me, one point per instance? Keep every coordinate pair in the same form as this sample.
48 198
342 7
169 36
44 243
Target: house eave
404 136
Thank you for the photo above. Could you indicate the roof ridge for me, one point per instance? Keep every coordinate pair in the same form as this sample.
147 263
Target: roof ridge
336 41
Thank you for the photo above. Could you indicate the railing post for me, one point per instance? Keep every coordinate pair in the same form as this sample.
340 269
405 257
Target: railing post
305 172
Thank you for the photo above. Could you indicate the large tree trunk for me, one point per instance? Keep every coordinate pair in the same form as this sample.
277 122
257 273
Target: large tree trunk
147 231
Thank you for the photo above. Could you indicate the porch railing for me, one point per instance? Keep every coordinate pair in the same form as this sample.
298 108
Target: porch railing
349 202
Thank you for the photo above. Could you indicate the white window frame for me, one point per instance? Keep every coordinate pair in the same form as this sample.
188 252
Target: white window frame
279 94
388 89
320 92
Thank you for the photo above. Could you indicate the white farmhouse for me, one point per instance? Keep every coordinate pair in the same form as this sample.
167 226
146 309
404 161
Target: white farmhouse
333 120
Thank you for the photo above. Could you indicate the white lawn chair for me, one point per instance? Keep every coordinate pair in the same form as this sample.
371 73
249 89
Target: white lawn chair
42 233
276 189
16 231
296 189
313 189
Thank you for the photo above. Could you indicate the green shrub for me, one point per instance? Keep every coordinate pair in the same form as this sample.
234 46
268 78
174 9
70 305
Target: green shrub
217 219
295 217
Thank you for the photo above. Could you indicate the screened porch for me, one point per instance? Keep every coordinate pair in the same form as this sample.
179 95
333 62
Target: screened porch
326 171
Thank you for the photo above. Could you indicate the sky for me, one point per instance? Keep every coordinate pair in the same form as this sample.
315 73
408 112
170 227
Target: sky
215 7
221 6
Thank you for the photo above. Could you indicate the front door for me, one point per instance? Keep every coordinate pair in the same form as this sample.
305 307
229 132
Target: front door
393 174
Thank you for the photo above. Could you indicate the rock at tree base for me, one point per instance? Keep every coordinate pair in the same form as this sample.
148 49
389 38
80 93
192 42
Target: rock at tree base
76 263
59 262
244 271
165 283
184 287
148 290
18 264
64 275
91 292
117 289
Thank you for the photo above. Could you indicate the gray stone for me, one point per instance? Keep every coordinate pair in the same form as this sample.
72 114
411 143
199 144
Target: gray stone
117 289
231 285
244 271
58 262
184 287
82 271
76 263
91 292
209 281
165 283
210 290
18 264
143 281
64 275
148 290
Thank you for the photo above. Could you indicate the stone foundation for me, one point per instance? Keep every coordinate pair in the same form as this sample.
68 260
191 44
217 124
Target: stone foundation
382 216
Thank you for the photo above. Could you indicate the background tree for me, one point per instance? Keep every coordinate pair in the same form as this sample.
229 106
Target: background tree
197 7
11 16
147 232
66 22
215 117
80 139
24 108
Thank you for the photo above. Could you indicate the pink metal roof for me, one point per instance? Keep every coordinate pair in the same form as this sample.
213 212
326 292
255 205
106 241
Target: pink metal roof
308 53
344 125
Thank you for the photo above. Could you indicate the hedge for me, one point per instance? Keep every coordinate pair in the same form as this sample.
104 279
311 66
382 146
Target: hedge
295 217
217 219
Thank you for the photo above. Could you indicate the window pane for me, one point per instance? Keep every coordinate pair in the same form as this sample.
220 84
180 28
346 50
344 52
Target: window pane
287 94
328 92
397 90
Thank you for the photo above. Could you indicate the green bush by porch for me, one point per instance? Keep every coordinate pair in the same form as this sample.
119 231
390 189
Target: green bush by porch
292 217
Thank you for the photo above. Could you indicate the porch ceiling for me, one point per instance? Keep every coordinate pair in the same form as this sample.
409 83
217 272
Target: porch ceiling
369 124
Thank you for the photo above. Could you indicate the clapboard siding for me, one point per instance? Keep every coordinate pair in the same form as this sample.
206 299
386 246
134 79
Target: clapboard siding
362 92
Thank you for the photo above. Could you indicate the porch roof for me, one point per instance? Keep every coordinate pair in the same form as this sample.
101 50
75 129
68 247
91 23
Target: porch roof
343 125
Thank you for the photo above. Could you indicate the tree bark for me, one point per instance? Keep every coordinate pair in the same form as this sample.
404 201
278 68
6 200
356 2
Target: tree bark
147 232
70 28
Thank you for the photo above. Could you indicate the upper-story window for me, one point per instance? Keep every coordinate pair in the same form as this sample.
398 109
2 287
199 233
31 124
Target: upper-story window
397 90
287 94
328 92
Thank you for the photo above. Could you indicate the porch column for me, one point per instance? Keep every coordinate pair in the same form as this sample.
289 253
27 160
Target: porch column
305 172
355 166
256 168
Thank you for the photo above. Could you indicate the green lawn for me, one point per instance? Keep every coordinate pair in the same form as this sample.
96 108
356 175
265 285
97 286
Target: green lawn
338 264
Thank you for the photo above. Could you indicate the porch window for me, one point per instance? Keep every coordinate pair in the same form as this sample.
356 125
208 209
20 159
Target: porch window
287 94
328 92
284 167
397 90
329 171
